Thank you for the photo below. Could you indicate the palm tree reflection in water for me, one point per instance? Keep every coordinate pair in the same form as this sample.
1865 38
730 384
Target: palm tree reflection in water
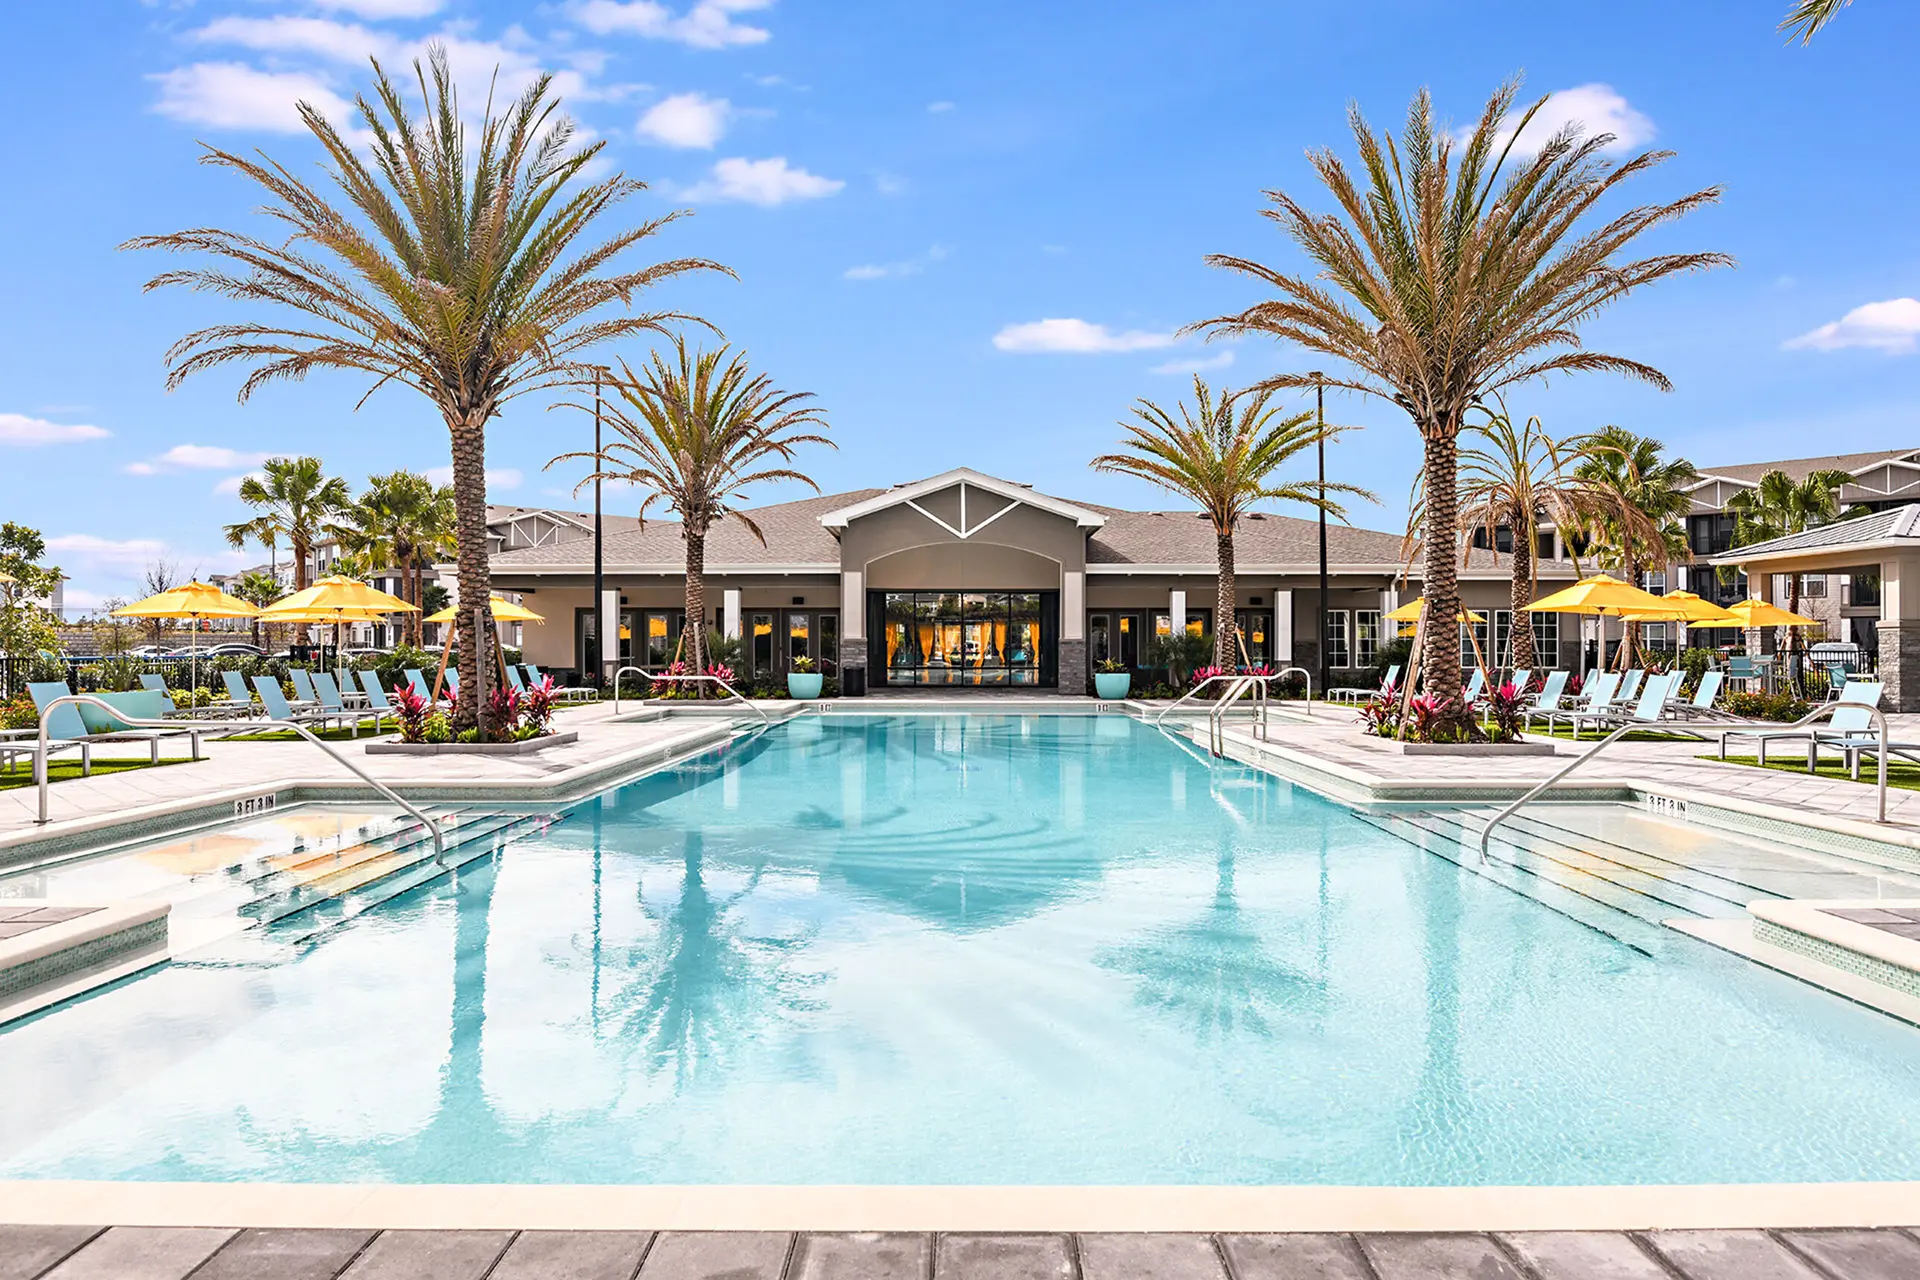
703 986
1213 974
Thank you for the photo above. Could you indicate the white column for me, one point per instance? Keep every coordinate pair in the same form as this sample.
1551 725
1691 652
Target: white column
730 613
1282 646
1177 612
853 606
1073 606
609 625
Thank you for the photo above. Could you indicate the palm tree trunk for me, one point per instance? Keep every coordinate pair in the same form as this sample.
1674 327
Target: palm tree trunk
1440 663
470 538
1630 630
1521 596
301 578
1224 656
695 626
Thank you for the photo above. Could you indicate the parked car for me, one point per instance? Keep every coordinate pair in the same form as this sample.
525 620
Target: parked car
148 651
366 653
229 649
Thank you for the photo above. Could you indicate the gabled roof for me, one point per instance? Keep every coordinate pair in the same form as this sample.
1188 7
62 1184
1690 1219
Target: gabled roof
1899 527
1747 474
909 495
795 541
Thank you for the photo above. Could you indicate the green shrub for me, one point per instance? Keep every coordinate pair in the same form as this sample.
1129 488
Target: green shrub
19 713
1782 707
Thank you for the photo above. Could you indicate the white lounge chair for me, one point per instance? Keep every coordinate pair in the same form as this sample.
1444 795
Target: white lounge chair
1851 721
1349 693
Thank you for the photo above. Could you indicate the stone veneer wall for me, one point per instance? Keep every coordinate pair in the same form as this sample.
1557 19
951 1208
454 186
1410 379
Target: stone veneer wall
1900 664
1073 668
853 653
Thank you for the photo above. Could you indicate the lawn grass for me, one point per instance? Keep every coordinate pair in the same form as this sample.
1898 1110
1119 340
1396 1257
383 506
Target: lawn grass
21 775
333 733
1594 735
1904 776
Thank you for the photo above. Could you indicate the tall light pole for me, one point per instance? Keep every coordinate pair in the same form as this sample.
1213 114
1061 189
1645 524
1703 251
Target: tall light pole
1320 450
599 550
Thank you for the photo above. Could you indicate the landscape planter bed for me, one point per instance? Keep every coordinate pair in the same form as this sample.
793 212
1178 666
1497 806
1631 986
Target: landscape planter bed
470 748
1469 748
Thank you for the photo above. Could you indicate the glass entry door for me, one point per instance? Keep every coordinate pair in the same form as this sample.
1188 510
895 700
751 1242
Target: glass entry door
981 639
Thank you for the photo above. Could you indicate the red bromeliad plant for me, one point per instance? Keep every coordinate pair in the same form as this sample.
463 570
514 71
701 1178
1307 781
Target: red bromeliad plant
1507 712
412 710
536 708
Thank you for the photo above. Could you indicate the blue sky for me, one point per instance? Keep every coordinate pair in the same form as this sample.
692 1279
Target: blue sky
908 191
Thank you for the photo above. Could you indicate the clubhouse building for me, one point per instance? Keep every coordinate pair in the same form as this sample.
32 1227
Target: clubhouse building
965 581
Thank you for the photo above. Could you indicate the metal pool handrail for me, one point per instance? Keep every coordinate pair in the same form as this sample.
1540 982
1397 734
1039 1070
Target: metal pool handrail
1820 712
639 671
1169 710
1305 675
1216 730
737 695
41 779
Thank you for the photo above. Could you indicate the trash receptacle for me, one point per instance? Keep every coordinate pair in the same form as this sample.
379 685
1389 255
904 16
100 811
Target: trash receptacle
853 682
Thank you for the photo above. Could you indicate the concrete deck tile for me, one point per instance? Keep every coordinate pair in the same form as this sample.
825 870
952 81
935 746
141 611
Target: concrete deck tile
1584 1255
861 1256
1729 1255
299 1254
1438 1257
996 1257
1860 1255
26 1252
1294 1257
143 1253
1149 1257
574 1255
429 1255
717 1255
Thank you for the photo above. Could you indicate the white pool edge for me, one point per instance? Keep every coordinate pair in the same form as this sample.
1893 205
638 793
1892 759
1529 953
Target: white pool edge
995 1209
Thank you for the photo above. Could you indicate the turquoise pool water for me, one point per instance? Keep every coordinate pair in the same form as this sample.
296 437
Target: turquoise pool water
973 949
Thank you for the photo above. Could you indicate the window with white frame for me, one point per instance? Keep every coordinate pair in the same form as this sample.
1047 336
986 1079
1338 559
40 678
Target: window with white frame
1339 648
1546 639
1366 635
1813 586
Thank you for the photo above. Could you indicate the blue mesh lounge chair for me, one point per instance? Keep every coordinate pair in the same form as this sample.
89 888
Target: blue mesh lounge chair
278 708
1351 694
513 678
334 705
566 693
1851 721
306 697
92 724
376 696
1547 701
1598 694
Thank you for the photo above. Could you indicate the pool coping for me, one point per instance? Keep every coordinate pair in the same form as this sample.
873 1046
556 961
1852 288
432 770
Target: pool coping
963 1208
101 832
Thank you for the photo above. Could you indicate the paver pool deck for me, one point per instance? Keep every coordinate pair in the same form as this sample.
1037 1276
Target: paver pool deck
212 1253
209 1232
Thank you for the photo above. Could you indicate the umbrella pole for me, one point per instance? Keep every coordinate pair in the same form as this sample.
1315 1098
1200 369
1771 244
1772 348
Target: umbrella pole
446 651
1413 670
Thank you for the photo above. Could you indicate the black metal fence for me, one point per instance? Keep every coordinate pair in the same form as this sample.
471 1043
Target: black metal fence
92 674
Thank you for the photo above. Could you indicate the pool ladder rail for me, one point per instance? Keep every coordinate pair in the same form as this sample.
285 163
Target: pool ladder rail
196 727
1238 687
766 721
1818 713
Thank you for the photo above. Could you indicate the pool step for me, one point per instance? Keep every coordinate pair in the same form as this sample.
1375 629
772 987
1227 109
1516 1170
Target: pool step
289 884
1629 918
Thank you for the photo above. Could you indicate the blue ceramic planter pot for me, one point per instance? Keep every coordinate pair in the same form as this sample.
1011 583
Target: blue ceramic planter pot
804 685
1112 686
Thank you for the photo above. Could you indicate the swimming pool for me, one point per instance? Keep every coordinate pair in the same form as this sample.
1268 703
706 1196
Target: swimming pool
960 949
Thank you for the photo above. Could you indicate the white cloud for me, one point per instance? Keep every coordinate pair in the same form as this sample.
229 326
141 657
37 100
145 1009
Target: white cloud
196 457
1596 107
342 41
89 551
708 24
686 120
383 8
232 95
763 182
231 484
1076 336
895 270
1893 326
1199 364
937 107
497 477
19 431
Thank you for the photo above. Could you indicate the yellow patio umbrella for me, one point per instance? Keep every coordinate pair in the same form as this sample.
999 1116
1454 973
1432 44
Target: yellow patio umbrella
195 600
1599 596
1758 613
336 599
503 611
1684 606
1410 612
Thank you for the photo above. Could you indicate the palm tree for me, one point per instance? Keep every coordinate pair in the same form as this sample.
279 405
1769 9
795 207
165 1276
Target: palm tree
450 269
1807 17
1221 454
260 590
694 434
1643 531
295 499
403 521
1449 273
1777 506
1519 479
